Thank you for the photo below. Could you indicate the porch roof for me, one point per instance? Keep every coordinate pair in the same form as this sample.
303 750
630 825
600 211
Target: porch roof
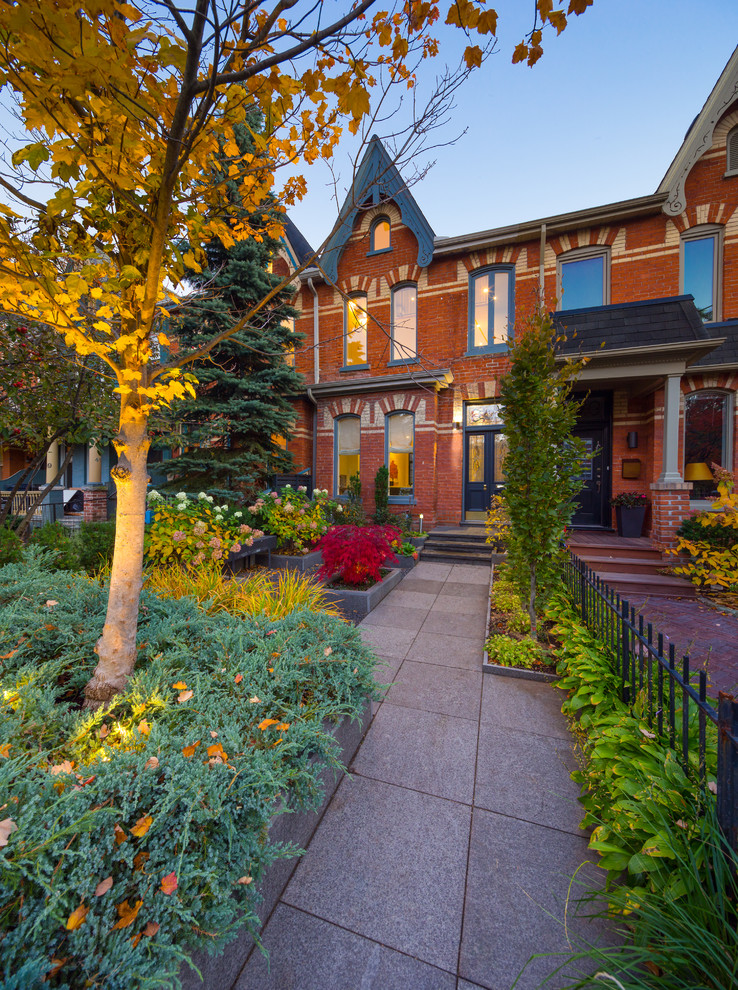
433 378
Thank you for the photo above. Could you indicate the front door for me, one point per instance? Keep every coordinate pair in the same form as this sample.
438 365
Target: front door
484 455
592 499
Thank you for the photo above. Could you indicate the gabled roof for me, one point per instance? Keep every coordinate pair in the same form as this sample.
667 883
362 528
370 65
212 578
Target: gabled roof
377 181
698 138
295 244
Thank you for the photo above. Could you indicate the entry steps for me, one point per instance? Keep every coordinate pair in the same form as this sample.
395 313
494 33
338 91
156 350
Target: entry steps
631 567
457 545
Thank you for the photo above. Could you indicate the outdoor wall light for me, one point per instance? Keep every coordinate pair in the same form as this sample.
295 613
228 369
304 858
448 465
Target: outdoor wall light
420 517
632 440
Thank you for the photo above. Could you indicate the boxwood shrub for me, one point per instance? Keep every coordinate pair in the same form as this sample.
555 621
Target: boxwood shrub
133 834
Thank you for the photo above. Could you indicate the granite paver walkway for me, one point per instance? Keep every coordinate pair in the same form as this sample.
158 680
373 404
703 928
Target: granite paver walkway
444 861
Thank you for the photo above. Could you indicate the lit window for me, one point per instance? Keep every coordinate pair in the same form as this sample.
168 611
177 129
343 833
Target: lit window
491 308
380 235
348 441
707 439
400 437
731 153
355 319
404 323
584 279
700 270
289 357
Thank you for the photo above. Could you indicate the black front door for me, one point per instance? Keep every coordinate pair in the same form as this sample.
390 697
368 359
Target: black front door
593 499
483 457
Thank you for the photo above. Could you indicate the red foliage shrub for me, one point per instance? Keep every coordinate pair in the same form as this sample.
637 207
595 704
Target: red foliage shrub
355 554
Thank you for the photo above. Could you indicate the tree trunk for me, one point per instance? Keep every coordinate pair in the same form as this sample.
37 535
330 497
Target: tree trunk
116 648
532 603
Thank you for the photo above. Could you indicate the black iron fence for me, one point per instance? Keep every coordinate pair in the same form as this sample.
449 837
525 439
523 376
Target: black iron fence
672 697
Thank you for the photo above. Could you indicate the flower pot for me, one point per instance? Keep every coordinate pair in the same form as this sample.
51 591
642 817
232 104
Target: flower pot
630 520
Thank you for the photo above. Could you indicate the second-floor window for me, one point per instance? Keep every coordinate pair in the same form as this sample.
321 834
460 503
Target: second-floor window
404 323
354 337
700 270
491 294
584 278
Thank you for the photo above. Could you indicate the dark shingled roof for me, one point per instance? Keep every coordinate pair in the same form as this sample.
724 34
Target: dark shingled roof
301 247
726 353
673 320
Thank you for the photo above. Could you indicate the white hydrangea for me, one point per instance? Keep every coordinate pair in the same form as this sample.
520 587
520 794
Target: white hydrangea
301 488
202 495
237 515
181 495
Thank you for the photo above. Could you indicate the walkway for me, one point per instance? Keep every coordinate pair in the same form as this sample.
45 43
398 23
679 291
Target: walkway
444 861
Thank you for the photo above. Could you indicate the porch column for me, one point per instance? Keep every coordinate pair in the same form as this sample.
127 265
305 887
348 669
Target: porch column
94 466
52 462
670 473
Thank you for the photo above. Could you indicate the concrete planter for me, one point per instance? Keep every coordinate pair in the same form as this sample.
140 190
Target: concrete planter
235 561
404 563
292 562
418 541
494 668
222 971
357 604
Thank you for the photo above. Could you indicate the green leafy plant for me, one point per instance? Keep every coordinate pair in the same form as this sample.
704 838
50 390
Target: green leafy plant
11 546
95 545
629 500
195 531
507 652
382 513
297 521
713 556
55 536
497 523
353 514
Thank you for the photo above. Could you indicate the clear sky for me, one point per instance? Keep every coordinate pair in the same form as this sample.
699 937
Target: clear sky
597 120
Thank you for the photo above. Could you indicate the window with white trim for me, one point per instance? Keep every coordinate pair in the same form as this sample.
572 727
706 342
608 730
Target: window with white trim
347 452
583 278
399 454
700 269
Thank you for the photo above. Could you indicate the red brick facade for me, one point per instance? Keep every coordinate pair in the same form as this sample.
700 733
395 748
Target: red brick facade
643 241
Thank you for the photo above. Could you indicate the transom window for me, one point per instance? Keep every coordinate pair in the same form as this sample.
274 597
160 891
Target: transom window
379 237
700 269
404 323
707 439
491 297
355 320
400 440
348 444
584 279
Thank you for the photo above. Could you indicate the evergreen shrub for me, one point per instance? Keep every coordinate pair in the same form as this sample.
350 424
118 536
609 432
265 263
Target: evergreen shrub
56 537
95 546
11 546
137 832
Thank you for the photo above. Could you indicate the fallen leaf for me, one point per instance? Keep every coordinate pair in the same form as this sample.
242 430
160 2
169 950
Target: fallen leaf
238 678
144 727
217 750
213 735
270 669
254 701
7 656
76 918
283 726
7 827
185 696
50 603
278 741
271 632
49 627
152 763
135 939
152 927
327 651
104 730
653 968
5 750
188 751
140 859
179 686
275 654
647 734
120 835
169 883
65 767
56 965
712 787
244 880
126 914
142 826
267 722
103 887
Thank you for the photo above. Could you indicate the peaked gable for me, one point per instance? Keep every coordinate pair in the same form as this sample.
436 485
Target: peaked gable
377 181
699 137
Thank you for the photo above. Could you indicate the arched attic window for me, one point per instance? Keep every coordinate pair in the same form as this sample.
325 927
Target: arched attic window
731 152
380 235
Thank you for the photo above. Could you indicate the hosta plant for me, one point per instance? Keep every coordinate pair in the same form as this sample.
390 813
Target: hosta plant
355 555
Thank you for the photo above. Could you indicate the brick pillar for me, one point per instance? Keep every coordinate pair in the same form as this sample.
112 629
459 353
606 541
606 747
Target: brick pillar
669 506
95 504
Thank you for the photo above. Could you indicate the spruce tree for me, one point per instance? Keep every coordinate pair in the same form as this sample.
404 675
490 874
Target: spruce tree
229 432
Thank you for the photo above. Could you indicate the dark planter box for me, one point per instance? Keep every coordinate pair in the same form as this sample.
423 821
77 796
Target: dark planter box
263 545
404 563
418 541
630 520
357 604
222 971
292 562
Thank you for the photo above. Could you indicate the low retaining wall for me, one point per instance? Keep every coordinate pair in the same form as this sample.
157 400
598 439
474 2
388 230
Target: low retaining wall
358 604
291 562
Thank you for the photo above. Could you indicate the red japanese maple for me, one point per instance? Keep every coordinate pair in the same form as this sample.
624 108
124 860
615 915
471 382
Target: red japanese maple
356 554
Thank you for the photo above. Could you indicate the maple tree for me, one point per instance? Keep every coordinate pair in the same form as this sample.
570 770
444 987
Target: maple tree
124 108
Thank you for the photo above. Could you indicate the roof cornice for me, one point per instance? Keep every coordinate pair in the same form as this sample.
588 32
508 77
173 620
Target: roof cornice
698 138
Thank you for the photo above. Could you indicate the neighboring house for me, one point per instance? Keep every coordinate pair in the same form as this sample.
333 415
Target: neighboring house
406 337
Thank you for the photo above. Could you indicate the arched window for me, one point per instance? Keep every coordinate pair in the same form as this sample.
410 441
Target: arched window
491 296
404 323
379 235
354 333
731 152
347 450
707 438
399 439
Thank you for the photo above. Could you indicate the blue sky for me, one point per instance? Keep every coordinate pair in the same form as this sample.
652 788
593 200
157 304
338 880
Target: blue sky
597 120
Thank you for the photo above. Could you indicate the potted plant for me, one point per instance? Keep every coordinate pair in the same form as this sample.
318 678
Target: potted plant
630 511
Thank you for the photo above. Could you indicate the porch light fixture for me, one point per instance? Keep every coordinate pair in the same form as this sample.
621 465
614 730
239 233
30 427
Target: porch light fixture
632 440
697 471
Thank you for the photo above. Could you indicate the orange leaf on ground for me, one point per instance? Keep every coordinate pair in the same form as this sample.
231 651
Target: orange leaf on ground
7 656
104 730
213 735
283 726
5 750
120 835
152 763
152 927
56 965
76 918
238 678
185 696
267 722
179 686
144 727
217 750
135 939
126 914
103 887
7 827
142 826
188 751
65 767
49 628
254 701
244 880
169 883
139 859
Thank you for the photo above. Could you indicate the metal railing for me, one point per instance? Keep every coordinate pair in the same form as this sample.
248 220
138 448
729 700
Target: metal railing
671 696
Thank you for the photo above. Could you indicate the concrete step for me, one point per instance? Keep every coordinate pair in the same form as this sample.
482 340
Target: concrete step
654 586
450 557
458 535
463 546
627 565
616 549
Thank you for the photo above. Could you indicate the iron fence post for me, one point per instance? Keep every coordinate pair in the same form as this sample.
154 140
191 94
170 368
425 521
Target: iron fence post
727 769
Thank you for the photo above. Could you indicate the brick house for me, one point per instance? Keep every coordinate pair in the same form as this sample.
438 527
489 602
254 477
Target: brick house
406 337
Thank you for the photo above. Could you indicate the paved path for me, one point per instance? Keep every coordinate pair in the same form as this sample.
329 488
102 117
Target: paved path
444 861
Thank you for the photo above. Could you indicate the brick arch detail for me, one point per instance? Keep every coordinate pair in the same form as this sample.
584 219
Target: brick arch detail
402 273
346 407
700 214
388 210
354 283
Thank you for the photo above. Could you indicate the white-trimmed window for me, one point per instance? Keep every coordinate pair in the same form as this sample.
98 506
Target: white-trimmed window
404 323
583 278
731 152
354 335
399 455
700 257
347 452
708 438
